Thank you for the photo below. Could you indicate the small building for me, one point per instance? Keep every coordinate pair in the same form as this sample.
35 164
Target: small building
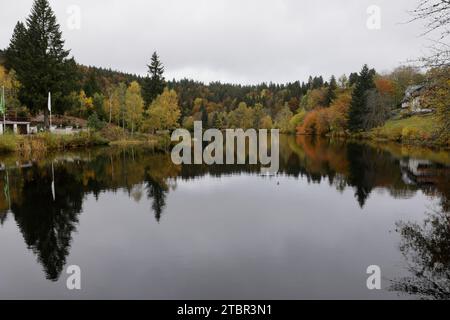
413 100
16 126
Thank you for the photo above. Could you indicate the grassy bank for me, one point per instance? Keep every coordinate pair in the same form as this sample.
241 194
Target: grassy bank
47 141
420 130
119 137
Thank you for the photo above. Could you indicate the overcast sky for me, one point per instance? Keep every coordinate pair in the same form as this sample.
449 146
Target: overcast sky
239 41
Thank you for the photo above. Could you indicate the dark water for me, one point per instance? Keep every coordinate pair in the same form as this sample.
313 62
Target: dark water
141 227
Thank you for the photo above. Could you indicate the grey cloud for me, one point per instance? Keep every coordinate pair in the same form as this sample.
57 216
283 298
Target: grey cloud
235 41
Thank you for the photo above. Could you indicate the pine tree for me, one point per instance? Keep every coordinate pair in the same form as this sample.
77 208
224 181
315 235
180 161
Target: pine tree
358 104
15 51
352 78
154 83
331 94
37 53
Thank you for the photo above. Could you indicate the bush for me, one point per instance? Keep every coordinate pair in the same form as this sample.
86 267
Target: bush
113 133
395 133
188 123
414 134
93 122
309 125
164 142
409 133
297 120
316 122
8 142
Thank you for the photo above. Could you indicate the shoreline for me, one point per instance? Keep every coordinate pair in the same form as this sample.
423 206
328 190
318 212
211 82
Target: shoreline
48 142
368 137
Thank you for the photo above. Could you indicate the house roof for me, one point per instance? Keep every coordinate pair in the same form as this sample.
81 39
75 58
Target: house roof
412 91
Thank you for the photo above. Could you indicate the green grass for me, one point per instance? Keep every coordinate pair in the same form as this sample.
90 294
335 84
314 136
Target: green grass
49 141
8 143
418 128
426 123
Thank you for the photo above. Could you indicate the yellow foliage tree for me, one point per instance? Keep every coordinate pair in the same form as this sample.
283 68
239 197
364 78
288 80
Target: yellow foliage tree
9 81
134 106
86 103
164 112
241 117
112 105
266 122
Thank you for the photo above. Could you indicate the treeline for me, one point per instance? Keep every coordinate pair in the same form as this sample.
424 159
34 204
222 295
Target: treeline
36 63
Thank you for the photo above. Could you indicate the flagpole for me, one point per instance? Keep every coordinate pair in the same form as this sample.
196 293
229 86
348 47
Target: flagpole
50 109
4 111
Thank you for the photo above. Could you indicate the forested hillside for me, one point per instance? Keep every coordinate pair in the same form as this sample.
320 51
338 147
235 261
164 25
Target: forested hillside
340 105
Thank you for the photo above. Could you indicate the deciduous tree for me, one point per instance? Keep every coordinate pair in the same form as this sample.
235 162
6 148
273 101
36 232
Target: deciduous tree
134 106
164 112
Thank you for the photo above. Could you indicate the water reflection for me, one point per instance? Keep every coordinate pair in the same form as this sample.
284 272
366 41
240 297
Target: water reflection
426 248
45 196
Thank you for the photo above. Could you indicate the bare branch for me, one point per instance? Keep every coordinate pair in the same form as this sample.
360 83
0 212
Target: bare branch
436 15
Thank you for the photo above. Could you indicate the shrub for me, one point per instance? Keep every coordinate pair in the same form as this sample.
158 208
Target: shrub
8 142
297 120
93 122
188 123
163 142
113 133
317 122
309 125
394 134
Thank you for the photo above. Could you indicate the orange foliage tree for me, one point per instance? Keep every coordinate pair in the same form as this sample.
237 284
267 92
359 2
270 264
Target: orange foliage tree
385 86
322 121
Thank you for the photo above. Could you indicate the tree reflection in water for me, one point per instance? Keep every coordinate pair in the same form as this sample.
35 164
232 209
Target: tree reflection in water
158 194
426 249
47 222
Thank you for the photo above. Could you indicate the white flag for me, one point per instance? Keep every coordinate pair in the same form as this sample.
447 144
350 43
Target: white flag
49 102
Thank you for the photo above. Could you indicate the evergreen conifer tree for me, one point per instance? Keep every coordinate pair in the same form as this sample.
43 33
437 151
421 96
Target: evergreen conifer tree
364 83
154 83
36 52
331 94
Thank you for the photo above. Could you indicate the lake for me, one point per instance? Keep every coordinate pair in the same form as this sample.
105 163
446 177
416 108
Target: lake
140 227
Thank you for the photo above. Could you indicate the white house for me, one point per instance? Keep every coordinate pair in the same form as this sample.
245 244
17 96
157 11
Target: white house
413 100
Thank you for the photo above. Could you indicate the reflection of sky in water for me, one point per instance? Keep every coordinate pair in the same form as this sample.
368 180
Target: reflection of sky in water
235 236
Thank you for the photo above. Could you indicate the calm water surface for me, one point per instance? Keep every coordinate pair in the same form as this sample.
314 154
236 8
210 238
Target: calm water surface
141 227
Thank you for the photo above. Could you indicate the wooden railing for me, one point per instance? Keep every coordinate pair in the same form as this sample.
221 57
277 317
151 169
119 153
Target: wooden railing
16 119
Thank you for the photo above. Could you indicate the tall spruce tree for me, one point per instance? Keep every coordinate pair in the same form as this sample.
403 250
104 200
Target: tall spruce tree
358 105
331 91
36 52
352 78
154 83
15 48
